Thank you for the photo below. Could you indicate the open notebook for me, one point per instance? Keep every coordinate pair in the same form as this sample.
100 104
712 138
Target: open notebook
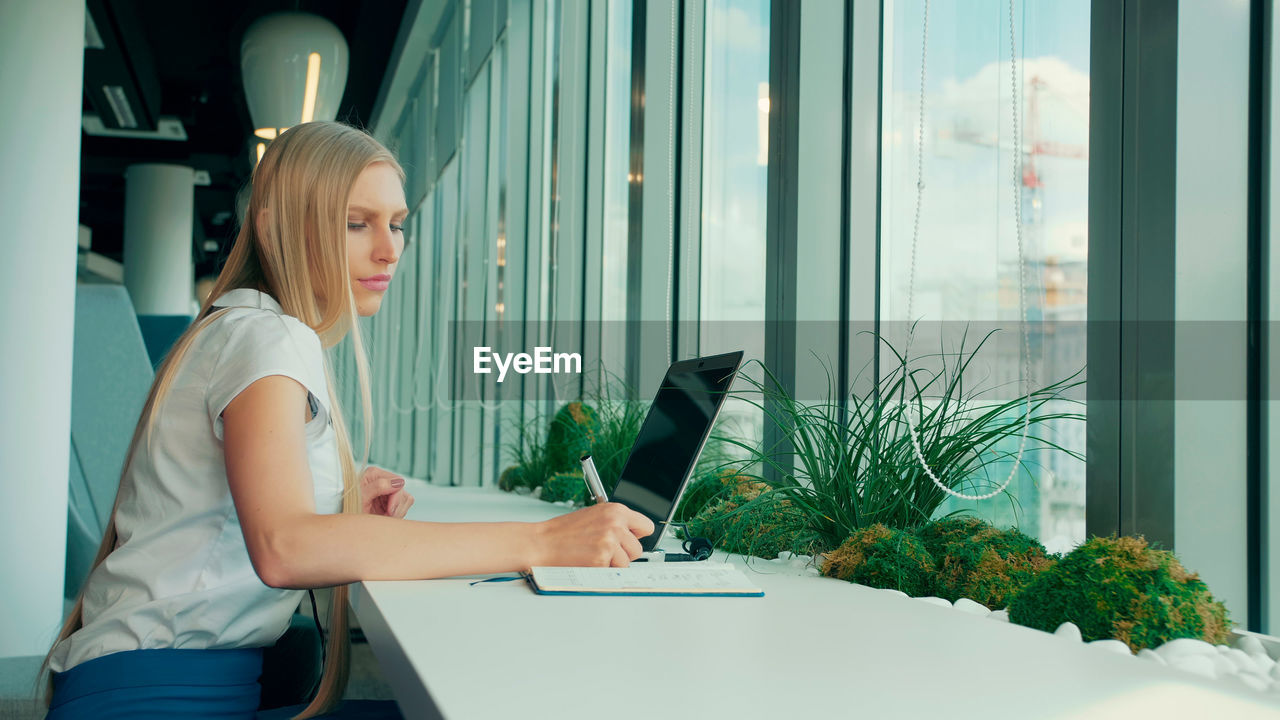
708 579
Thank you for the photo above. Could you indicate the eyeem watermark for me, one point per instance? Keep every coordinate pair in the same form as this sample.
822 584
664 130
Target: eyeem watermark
541 362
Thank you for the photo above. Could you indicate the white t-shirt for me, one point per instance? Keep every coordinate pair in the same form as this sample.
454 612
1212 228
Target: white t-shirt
180 575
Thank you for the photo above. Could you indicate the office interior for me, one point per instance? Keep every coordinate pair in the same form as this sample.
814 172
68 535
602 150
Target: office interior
643 181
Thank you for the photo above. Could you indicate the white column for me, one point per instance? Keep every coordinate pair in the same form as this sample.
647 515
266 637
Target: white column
41 79
159 205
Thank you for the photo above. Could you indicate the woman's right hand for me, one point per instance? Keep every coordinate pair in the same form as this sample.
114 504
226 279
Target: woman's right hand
604 535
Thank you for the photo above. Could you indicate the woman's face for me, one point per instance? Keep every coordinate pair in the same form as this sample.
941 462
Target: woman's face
375 239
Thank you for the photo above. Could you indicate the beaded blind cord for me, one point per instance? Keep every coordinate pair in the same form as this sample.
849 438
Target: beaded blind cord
1022 265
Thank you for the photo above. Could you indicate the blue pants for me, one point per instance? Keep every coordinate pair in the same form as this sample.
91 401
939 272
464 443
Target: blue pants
167 683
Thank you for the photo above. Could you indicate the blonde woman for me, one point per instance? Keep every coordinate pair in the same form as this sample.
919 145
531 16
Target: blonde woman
240 488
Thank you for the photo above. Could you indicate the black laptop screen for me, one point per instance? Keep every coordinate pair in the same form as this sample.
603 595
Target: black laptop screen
670 438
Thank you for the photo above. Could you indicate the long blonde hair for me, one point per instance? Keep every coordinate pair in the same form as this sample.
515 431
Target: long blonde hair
291 245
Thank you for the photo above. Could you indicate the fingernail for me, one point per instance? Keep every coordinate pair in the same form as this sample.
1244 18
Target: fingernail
397 482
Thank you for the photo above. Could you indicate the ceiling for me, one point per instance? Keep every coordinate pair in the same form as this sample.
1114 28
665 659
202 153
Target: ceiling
189 52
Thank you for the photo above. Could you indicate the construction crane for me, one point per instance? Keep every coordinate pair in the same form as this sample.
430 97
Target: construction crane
1034 147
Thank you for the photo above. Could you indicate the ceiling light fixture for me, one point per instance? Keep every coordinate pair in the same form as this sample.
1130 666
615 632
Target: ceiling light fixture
313 84
294 67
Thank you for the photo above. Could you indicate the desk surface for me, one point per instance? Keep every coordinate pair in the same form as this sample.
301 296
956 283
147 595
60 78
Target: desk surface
812 647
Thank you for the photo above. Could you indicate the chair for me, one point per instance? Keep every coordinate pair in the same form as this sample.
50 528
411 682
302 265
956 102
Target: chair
110 377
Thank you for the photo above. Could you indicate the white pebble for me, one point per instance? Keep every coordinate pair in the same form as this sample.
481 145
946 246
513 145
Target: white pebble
1000 616
1250 680
934 601
1251 645
972 607
1198 664
891 591
1223 664
1185 646
1114 646
1242 661
1262 664
1068 630
1152 655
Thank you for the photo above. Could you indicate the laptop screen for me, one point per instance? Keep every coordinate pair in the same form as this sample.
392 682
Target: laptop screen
672 437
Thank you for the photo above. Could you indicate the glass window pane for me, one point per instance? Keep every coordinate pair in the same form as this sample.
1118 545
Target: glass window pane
617 186
449 102
735 132
966 255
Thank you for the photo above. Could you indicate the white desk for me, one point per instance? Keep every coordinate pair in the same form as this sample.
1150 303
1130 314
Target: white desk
811 648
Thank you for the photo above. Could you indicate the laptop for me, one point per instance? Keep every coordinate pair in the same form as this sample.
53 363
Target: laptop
672 437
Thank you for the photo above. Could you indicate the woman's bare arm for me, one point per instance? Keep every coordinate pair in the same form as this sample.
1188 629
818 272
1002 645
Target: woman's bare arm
291 545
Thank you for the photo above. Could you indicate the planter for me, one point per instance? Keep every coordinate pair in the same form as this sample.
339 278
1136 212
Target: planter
1250 660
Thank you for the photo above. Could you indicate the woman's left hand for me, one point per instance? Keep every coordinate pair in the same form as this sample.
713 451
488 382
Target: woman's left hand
383 493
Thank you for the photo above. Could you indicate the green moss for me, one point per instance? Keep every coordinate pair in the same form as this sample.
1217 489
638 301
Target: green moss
512 478
752 522
573 429
938 534
565 486
1118 587
881 557
980 562
702 491
719 484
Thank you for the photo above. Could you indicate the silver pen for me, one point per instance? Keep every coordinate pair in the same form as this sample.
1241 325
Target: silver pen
589 475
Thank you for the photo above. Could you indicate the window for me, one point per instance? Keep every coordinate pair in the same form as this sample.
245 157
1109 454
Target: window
966 257
735 132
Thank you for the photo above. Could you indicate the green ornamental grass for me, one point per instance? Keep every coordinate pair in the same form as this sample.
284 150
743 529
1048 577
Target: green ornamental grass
529 452
575 429
753 521
854 467
618 420
708 487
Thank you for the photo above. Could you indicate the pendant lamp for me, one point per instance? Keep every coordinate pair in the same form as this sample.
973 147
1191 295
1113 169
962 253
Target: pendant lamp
294 67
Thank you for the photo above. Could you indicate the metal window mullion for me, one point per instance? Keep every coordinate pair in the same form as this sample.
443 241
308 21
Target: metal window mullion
1103 451
781 204
593 209
520 97
860 284
568 205
652 273
420 385
635 193
537 178
407 338
1269 309
688 291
